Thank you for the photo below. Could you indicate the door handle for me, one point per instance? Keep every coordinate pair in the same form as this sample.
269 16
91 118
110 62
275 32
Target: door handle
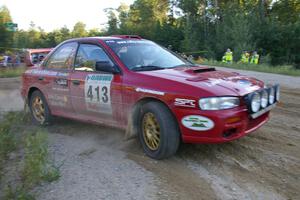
40 78
76 82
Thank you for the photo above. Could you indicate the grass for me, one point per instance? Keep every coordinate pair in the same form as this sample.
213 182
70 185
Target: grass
11 72
35 166
7 139
282 69
18 193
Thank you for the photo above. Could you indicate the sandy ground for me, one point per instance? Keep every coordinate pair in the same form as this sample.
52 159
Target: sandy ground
98 164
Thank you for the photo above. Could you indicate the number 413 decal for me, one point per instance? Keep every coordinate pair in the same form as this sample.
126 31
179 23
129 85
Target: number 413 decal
97 92
104 91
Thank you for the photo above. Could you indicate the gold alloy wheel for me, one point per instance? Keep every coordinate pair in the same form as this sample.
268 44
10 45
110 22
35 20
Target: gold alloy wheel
38 109
151 131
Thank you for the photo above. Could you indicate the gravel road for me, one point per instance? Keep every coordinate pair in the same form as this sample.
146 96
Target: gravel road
284 81
97 163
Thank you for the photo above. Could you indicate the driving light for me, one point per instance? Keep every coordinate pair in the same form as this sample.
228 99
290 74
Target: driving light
271 95
261 101
255 102
218 103
264 99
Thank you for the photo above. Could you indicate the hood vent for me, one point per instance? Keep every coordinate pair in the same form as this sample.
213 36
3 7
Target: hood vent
204 70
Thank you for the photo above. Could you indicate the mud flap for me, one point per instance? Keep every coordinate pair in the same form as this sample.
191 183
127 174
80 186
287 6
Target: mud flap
26 106
131 130
132 127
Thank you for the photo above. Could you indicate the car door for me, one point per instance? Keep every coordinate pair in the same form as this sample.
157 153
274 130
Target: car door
95 95
57 73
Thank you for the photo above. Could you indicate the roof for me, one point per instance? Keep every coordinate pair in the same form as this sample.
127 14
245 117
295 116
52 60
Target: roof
112 37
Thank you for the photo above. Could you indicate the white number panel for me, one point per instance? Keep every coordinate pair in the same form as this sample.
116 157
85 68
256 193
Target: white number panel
97 92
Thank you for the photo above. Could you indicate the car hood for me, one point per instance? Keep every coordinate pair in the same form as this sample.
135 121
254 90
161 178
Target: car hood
213 81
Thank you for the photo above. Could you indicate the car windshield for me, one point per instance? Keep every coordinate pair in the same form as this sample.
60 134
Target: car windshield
143 55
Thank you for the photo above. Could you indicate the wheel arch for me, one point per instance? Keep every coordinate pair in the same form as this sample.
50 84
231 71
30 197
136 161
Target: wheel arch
47 111
30 91
133 116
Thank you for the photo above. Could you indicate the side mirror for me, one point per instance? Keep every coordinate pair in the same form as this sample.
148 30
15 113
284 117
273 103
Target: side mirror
106 66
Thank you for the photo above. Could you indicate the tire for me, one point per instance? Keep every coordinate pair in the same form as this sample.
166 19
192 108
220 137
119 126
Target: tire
169 134
47 117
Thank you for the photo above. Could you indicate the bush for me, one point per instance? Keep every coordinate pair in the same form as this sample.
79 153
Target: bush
36 153
11 72
7 138
17 194
35 165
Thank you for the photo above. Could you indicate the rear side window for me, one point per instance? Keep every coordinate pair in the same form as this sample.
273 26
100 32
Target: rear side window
63 58
88 55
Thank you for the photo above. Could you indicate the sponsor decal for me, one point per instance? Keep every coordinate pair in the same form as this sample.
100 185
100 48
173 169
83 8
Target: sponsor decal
244 82
149 91
185 102
133 42
197 123
252 88
28 71
46 72
97 92
58 100
62 89
62 74
62 82
212 82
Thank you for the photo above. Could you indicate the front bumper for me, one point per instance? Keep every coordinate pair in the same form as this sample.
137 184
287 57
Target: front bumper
229 125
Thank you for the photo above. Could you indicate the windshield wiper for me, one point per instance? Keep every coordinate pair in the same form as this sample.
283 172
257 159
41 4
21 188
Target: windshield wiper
147 68
184 65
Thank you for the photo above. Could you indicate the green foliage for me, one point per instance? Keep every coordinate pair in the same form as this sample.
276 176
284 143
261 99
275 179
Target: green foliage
79 30
35 165
51 173
112 22
18 193
11 72
214 26
6 37
36 153
7 141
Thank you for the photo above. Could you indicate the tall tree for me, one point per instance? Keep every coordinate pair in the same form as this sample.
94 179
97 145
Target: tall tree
112 21
79 30
6 36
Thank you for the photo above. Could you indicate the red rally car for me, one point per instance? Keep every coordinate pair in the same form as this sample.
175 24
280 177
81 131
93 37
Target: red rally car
35 56
136 85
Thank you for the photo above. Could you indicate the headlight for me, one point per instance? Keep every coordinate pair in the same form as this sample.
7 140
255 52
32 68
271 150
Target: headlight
271 95
255 102
264 99
218 103
277 92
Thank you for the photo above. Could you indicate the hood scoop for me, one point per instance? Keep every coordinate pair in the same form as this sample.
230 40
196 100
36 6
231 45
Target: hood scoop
202 70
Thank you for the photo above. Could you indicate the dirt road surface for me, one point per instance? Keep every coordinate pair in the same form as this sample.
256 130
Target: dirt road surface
97 163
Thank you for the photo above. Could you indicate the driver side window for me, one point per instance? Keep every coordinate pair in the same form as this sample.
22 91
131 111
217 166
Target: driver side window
88 55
